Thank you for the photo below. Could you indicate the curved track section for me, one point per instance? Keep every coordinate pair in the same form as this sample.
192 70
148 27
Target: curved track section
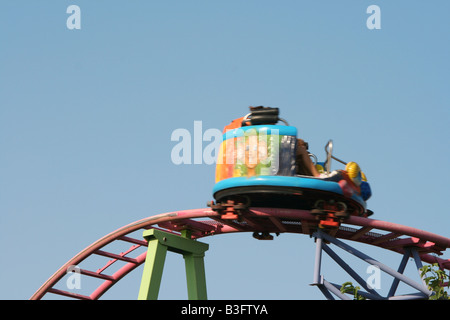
260 221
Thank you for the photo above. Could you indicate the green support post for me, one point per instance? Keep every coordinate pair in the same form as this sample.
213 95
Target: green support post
195 276
159 242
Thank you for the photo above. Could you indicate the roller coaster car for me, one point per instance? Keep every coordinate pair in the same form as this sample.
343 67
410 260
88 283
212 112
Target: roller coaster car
257 167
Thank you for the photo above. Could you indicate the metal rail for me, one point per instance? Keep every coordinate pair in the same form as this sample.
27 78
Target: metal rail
386 235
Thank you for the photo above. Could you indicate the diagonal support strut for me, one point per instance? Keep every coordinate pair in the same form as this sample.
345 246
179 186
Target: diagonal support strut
328 288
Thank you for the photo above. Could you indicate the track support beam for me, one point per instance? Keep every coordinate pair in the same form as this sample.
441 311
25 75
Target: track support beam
159 242
327 288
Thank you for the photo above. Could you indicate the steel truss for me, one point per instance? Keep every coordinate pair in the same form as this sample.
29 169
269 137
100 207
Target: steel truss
328 289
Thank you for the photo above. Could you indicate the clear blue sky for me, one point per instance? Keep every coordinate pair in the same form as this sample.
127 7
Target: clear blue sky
86 118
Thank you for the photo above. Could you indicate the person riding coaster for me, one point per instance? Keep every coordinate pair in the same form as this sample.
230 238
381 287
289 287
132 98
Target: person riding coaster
263 164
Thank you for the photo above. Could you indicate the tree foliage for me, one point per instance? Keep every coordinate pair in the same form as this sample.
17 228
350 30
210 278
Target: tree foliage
435 279
348 287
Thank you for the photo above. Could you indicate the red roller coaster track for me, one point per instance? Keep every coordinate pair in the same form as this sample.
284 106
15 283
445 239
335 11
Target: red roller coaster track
205 222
